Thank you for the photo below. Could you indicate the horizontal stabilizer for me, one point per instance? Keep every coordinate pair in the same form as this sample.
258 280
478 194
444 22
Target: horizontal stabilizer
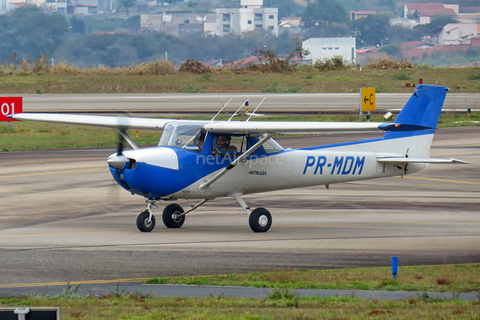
421 160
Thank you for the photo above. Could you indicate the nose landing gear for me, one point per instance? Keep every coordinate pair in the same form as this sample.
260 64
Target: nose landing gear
146 220
173 216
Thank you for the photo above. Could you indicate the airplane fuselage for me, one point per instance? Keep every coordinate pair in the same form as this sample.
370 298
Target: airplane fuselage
168 172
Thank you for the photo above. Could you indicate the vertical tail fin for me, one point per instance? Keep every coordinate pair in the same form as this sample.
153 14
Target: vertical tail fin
417 122
424 107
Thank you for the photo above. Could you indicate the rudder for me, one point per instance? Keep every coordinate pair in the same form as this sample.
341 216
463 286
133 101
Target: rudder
424 107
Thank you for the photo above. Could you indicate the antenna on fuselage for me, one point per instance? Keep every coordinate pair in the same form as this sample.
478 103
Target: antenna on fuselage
221 109
256 108
233 115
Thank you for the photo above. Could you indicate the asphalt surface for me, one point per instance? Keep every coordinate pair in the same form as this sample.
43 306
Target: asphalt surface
64 220
222 291
211 103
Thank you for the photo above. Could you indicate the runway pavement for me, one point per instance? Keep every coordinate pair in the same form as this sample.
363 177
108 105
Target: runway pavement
211 103
62 219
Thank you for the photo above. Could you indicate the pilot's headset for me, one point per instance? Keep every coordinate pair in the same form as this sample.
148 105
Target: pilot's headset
227 140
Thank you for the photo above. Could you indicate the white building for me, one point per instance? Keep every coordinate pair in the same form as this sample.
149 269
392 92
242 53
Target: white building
251 16
327 48
457 33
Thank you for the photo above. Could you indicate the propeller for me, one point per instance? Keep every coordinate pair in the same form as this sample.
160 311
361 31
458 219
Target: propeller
118 160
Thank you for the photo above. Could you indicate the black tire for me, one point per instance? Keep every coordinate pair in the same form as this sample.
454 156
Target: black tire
260 220
167 218
142 222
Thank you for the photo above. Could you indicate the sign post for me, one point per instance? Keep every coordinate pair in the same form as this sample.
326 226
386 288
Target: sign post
367 101
8 107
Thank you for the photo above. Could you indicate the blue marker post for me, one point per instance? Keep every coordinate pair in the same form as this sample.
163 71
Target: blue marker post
394 267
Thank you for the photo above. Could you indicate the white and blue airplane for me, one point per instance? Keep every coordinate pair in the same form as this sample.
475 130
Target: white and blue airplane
210 159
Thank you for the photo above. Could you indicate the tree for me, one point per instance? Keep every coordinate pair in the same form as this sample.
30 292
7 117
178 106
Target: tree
322 13
286 8
126 4
325 18
372 30
391 50
423 30
30 32
77 25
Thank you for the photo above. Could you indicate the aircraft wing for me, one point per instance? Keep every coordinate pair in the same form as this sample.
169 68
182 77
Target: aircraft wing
123 123
420 160
232 127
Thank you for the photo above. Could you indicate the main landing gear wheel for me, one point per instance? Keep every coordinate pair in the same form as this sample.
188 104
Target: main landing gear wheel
142 222
171 216
260 220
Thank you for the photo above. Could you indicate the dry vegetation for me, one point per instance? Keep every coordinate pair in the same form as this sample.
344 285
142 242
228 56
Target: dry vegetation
268 75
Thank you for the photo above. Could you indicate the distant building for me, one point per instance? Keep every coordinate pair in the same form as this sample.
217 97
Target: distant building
327 48
425 11
178 23
86 6
457 33
355 15
251 16
290 25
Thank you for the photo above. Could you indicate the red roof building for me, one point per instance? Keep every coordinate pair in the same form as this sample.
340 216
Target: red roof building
427 10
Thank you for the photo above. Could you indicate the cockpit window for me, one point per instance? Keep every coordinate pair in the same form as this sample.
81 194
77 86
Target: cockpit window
272 146
182 134
228 146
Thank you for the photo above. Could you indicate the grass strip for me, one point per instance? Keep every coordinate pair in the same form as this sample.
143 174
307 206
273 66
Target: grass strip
305 80
440 278
135 306
48 136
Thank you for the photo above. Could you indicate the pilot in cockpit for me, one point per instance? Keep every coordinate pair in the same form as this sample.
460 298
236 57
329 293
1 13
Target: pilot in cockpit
223 145
200 140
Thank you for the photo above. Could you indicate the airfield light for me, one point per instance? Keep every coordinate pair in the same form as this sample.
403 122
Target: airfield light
387 116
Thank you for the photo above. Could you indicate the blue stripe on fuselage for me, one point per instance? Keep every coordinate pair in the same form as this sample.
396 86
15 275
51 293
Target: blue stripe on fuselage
387 136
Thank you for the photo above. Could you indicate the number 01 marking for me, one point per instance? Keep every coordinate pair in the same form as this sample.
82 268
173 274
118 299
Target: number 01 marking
6 109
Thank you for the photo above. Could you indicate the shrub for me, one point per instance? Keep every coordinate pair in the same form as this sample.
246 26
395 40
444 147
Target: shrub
335 63
387 63
401 76
194 66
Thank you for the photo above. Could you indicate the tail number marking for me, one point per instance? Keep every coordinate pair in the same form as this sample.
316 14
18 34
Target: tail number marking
343 165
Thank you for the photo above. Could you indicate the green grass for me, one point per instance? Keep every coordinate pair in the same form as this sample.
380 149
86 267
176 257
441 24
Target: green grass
47 136
283 301
135 306
443 278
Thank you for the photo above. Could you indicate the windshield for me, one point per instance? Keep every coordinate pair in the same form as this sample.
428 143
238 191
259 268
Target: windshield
181 134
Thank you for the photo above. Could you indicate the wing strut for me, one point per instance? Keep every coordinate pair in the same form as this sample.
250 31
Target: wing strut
129 140
256 109
221 110
257 145
233 115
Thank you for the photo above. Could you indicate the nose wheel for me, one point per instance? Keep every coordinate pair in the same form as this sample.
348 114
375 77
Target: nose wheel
144 223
